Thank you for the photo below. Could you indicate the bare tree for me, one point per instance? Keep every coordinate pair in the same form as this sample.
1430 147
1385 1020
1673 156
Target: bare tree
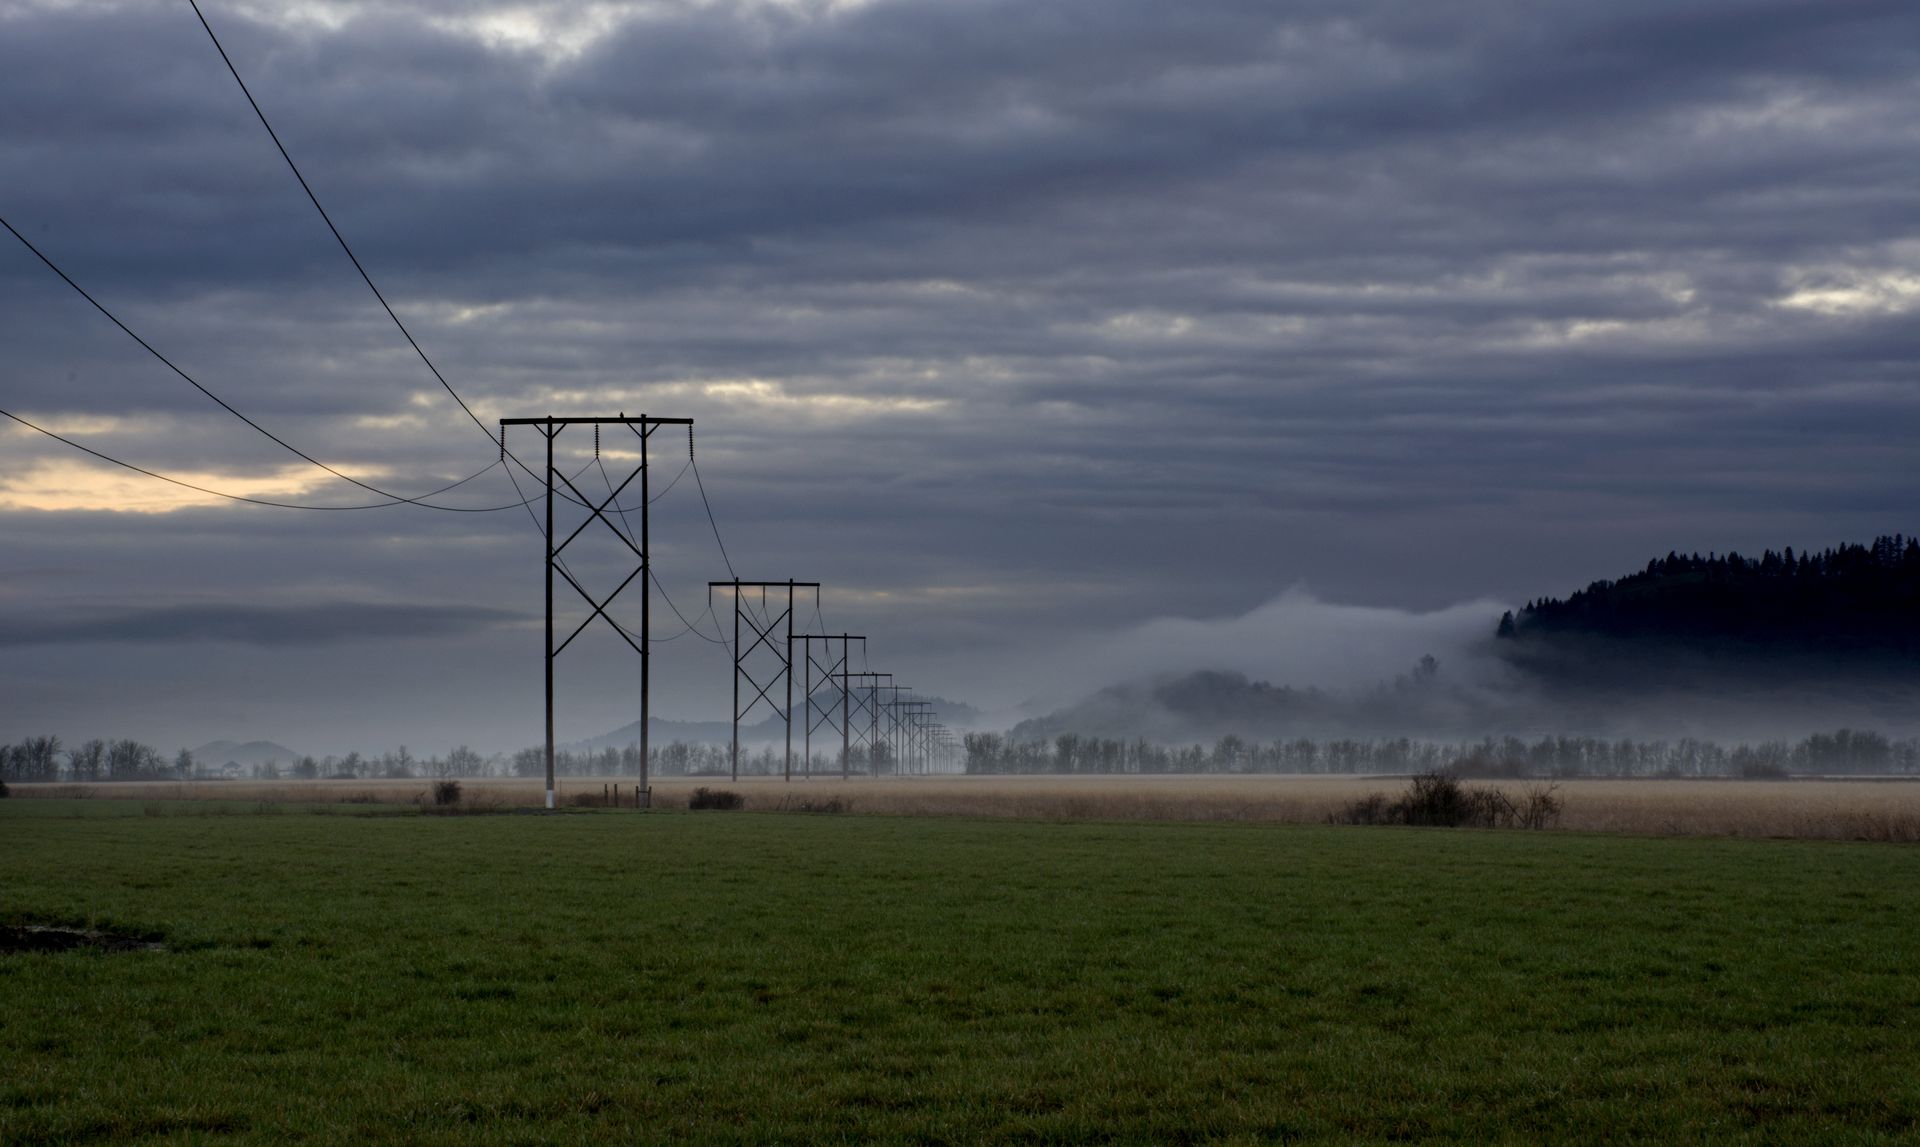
129 760
86 762
465 762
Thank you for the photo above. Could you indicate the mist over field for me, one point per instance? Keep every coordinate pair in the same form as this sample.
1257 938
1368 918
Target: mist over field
1298 638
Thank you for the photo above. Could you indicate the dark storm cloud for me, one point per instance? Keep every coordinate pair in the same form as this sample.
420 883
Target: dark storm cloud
1030 318
300 625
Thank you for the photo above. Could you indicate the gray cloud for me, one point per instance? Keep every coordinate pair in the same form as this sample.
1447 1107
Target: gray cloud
299 625
1011 323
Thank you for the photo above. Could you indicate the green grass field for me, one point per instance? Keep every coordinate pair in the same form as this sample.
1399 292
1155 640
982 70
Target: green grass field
742 977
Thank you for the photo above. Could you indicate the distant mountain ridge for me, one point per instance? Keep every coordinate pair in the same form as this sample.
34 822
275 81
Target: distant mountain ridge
216 753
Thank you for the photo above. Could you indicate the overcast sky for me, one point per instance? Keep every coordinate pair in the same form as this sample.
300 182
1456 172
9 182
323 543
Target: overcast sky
1018 325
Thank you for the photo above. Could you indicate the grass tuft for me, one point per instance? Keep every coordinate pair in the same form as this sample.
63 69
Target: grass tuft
792 803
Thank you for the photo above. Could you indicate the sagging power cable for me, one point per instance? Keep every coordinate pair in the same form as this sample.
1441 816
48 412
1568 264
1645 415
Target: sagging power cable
104 457
342 239
694 463
227 406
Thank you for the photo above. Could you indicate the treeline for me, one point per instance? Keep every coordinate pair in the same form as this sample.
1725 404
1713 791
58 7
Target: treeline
44 759
689 759
1851 599
1846 751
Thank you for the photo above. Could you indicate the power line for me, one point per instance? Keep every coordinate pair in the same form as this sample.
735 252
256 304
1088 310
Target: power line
295 168
221 402
628 526
690 625
368 279
541 482
355 260
258 501
709 505
506 454
672 484
412 342
542 530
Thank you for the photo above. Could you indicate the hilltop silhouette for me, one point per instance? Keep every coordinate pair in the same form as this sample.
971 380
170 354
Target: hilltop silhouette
1851 611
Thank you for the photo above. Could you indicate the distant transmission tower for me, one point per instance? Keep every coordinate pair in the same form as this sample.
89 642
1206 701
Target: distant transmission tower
866 725
763 630
917 720
841 697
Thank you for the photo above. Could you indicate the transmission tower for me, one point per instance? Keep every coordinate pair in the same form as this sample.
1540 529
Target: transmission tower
828 669
894 726
763 636
917 720
867 714
642 427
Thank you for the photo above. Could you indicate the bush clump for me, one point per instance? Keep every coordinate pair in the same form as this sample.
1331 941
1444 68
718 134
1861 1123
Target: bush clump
446 793
706 798
814 804
1439 800
4 794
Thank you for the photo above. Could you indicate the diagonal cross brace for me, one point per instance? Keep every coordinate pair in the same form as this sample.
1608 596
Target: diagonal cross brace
762 636
599 608
599 511
761 695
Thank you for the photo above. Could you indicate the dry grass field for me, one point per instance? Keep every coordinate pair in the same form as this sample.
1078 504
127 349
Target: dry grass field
1846 809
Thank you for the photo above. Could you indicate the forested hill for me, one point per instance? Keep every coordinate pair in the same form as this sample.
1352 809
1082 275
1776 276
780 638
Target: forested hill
1857 602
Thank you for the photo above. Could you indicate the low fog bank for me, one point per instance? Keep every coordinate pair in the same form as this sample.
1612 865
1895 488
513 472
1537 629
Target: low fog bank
1302 667
1302 640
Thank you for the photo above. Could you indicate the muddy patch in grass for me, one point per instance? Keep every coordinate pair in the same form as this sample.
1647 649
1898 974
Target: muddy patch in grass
48 938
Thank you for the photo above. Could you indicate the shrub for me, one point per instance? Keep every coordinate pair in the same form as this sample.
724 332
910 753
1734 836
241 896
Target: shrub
1370 809
1439 800
1539 807
446 793
704 797
4 794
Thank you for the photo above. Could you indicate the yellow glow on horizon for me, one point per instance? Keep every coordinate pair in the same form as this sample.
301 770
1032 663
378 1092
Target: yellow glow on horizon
67 484
75 425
